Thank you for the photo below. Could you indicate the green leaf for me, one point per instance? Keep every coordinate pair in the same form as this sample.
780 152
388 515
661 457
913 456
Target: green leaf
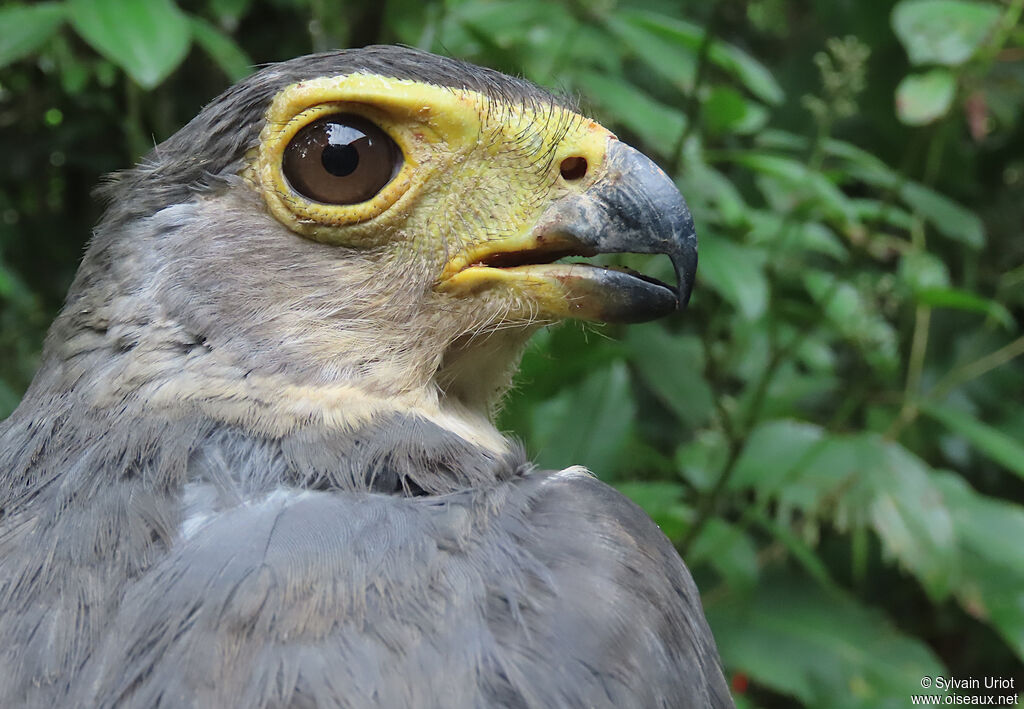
15 290
507 23
736 273
222 49
791 391
854 481
949 218
823 648
658 125
663 502
861 158
859 163
728 550
412 22
798 549
146 38
23 29
775 139
676 62
924 98
752 74
780 233
946 32
230 12
701 460
566 355
923 271
726 112
957 299
588 424
988 532
800 183
908 512
873 210
673 368
855 315
9 399
711 195
990 441
774 454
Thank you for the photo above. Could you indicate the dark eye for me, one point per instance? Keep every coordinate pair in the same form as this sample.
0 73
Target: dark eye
341 159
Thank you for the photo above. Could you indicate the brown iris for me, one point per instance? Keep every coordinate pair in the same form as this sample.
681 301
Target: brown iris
341 159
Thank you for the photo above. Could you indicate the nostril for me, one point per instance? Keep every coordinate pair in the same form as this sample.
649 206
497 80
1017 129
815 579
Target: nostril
573 168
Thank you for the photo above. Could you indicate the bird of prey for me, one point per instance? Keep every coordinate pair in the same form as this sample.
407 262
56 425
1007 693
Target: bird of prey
257 466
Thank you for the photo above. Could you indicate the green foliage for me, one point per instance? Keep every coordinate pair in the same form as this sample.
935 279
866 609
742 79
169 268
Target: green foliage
947 32
146 38
832 433
823 648
28 28
988 440
922 98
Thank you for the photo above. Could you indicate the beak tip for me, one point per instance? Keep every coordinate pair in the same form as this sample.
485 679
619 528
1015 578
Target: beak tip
684 256
634 207
658 217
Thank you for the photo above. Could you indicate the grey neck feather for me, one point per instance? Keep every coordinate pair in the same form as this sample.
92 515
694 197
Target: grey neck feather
51 453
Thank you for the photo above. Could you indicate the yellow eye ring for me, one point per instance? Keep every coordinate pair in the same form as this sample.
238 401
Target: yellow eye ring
319 220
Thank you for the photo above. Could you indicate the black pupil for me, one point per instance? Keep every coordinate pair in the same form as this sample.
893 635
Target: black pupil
340 160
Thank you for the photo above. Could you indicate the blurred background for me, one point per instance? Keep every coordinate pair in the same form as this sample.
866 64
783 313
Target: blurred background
833 434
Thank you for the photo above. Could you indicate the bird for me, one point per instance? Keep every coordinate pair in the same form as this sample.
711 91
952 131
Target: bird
258 464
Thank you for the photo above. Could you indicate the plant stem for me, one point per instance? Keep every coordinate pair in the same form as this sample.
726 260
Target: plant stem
134 129
738 437
973 370
709 502
918 349
915 367
1007 23
922 317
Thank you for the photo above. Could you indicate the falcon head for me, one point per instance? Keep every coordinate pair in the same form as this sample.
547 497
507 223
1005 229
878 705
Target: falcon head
356 232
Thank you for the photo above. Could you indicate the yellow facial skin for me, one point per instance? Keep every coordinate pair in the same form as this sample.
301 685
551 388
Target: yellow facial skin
477 174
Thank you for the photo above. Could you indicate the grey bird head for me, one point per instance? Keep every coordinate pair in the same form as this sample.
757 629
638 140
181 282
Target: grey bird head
234 248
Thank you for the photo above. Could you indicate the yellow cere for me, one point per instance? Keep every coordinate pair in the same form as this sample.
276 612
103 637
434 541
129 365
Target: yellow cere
477 173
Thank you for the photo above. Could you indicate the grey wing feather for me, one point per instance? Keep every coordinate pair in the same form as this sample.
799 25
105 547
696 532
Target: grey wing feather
548 591
636 598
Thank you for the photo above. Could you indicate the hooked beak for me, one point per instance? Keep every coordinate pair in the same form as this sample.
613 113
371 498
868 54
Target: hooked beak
633 207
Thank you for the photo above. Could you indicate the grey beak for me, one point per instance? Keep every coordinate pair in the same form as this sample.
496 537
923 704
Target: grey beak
634 207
